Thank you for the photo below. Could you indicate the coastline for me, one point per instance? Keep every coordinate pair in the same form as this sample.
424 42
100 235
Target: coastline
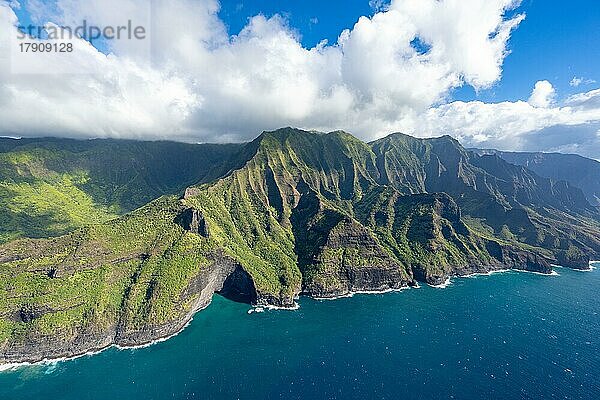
489 273
444 285
353 293
593 265
51 361
553 273
448 282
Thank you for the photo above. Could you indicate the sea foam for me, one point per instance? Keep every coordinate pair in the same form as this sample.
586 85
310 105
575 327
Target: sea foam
444 285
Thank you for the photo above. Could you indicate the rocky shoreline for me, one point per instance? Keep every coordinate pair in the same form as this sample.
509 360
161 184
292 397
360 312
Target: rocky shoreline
39 348
30 354
294 212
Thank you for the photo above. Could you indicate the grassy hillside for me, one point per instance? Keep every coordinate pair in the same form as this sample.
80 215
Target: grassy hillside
49 187
292 212
508 201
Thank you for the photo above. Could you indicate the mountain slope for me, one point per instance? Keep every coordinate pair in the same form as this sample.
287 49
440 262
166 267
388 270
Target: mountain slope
49 187
580 172
292 212
504 200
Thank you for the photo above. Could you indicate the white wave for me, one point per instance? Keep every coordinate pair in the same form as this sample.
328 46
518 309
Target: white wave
351 294
489 273
553 273
444 285
277 308
49 361
592 267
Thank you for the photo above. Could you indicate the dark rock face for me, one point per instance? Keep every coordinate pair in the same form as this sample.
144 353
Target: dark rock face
514 258
268 299
29 313
573 258
239 287
193 221
338 256
351 260
37 347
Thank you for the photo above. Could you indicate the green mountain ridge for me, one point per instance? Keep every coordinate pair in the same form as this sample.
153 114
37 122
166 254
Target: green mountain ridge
579 171
291 213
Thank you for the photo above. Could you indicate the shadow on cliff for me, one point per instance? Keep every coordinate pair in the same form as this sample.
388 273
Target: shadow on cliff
239 287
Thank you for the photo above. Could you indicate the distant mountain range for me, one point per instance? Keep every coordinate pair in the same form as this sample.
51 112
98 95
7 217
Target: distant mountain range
120 242
579 171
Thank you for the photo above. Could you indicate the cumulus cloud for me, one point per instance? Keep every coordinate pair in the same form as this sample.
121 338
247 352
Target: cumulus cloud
86 93
573 126
378 5
543 94
230 87
197 82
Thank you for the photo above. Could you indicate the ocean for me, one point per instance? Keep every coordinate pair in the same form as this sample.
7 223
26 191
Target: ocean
509 335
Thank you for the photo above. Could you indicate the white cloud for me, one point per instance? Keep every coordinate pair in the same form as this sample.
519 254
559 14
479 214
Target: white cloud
115 97
205 85
572 127
232 87
543 94
575 82
379 5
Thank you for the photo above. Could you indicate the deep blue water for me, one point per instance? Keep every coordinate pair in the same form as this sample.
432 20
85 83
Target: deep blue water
505 336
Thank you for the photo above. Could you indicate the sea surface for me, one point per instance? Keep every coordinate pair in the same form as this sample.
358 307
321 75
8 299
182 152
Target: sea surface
504 336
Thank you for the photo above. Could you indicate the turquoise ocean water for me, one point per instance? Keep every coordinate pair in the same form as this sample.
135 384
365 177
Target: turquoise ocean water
505 336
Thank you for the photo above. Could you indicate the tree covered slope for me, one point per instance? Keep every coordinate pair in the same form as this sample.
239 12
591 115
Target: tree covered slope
49 187
292 212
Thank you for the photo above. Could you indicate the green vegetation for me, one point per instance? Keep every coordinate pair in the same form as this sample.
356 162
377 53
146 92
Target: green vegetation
50 206
580 172
129 271
50 187
295 211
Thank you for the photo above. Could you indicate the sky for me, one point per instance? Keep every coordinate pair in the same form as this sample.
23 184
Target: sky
506 74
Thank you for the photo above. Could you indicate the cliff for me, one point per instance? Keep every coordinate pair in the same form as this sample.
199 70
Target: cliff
293 212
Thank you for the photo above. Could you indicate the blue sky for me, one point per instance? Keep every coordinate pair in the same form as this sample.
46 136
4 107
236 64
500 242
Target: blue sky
191 82
557 41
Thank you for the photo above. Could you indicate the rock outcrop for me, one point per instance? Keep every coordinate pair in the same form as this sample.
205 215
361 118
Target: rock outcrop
193 221
573 258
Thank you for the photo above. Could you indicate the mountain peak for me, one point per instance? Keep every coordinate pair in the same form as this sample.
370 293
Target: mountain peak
406 138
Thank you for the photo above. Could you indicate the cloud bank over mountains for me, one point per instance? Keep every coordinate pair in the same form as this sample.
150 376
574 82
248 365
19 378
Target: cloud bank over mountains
391 72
